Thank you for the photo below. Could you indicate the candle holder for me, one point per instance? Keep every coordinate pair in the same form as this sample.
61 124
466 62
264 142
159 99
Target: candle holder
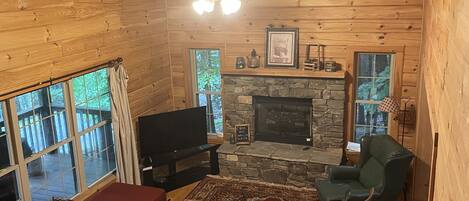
240 63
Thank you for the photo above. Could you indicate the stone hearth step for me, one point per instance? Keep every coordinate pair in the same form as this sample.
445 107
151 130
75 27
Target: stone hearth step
277 163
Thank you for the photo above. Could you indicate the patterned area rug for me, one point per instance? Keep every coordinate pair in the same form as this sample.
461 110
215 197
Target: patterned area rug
223 189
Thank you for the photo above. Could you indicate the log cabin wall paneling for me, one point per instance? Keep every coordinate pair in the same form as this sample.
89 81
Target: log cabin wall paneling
424 148
446 71
339 24
40 39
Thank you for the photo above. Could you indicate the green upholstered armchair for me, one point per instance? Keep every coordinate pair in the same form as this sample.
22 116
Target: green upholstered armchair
383 167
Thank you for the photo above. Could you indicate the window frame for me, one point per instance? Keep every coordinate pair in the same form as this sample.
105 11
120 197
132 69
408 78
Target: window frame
372 102
23 162
78 134
18 163
351 77
14 166
195 88
191 79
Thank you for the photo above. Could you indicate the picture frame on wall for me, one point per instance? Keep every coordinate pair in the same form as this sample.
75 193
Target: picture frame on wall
242 134
282 47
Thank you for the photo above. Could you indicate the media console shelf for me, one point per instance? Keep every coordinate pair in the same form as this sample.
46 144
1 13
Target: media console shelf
162 134
178 179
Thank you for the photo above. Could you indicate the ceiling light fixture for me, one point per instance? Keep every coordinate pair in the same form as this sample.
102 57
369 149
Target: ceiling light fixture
207 6
230 6
203 6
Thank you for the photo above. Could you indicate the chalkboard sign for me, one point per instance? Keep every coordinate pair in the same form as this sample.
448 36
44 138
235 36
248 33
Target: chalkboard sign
242 135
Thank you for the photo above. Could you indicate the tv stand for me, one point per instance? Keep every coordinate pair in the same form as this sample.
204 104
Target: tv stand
179 179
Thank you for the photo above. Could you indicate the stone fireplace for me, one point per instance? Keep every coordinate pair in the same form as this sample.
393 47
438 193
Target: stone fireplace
283 120
325 97
296 126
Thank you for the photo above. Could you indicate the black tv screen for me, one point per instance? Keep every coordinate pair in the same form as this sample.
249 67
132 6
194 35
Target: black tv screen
172 131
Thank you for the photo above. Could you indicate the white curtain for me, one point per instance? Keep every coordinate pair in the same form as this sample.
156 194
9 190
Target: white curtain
126 146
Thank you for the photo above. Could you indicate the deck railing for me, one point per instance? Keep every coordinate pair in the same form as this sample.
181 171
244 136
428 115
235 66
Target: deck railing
40 134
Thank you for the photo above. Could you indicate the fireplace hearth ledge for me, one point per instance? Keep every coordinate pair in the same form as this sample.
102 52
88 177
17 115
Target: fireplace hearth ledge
285 152
277 163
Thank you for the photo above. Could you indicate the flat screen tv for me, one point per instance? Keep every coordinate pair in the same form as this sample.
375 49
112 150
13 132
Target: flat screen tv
172 131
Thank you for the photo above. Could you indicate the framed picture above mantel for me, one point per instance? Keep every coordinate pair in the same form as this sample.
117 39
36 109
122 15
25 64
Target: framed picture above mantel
282 47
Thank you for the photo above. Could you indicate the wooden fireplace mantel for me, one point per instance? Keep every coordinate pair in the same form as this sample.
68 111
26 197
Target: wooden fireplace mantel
275 72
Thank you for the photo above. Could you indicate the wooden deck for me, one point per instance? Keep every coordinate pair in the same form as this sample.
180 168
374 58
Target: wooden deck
58 178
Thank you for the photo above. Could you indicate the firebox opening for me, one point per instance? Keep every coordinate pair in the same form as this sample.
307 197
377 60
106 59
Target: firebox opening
283 120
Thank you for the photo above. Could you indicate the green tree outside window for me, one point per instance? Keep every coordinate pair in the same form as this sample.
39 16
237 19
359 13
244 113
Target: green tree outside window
208 89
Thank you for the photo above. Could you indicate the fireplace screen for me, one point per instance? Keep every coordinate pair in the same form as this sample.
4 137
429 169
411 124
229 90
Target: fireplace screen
283 120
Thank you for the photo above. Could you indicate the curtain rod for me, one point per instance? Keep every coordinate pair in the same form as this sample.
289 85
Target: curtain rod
62 78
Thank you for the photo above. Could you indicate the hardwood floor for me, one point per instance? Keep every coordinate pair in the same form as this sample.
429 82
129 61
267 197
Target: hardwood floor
181 193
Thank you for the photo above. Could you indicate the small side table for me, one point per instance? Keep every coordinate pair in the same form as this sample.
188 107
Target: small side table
352 157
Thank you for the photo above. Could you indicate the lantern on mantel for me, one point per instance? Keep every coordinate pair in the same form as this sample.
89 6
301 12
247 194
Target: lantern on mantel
254 61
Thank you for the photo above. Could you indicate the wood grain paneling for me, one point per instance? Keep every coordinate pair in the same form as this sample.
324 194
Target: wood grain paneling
339 24
445 70
40 39
424 148
44 38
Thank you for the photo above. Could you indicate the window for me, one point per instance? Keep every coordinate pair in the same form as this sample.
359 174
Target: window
8 169
93 114
206 64
58 128
5 156
373 84
42 119
46 143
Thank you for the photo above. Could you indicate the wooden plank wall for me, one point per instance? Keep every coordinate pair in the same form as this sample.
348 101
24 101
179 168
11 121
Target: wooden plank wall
445 70
339 24
40 39
424 148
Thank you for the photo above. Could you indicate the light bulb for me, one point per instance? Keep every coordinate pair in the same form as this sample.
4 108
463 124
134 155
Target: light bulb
230 6
209 5
198 6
